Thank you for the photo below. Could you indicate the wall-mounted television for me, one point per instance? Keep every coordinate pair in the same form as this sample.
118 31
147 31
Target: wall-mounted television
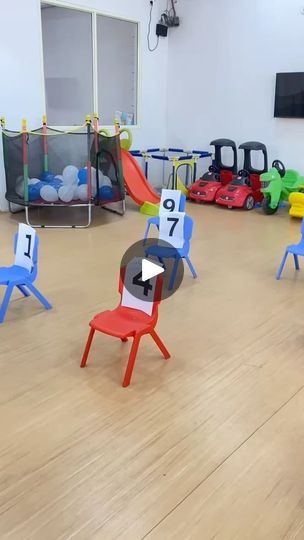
289 96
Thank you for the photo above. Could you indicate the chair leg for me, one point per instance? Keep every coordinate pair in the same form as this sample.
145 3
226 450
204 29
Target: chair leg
278 276
296 261
23 290
131 361
87 348
173 274
160 344
5 302
146 234
39 296
161 260
192 269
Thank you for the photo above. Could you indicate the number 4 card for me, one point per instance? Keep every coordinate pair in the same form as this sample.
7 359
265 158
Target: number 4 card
138 294
171 228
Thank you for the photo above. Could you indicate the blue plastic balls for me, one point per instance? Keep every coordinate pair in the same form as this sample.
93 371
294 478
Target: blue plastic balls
47 176
106 193
34 191
56 183
82 176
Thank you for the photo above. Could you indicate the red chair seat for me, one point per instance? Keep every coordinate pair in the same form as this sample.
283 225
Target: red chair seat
122 322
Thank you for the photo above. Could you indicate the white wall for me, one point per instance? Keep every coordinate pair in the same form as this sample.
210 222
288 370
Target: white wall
222 65
22 76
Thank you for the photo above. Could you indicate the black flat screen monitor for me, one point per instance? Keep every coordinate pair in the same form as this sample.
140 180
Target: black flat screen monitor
289 96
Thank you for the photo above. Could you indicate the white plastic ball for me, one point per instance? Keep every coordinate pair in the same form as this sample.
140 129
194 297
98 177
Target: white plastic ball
94 189
93 172
49 194
75 193
82 192
70 175
94 182
105 181
20 186
33 181
66 193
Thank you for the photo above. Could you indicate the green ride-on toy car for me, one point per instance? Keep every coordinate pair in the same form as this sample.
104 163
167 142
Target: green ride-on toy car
278 184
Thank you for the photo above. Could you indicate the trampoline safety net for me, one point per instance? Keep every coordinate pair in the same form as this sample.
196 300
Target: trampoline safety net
49 167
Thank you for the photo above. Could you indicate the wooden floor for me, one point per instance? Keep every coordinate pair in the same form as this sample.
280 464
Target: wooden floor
207 446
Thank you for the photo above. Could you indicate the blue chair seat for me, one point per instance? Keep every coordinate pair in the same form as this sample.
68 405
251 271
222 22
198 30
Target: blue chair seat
161 252
13 274
296 249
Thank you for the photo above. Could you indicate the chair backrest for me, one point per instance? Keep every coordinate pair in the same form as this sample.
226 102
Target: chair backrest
137 294
182 203
26 248
188 231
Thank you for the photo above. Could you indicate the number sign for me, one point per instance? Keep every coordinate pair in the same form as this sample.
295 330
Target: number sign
170 201
138 294
171 228
25 246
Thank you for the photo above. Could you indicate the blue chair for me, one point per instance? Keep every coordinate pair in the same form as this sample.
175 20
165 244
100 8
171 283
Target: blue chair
162 252
297 250
22 278
155 220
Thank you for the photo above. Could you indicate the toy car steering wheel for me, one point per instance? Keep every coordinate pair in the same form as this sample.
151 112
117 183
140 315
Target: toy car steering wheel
243 173
280 167
214 170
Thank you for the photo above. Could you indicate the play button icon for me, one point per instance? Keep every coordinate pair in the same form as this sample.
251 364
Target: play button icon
146 260
150 270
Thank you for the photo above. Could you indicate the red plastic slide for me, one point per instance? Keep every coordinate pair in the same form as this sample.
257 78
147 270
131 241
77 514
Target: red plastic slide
136 182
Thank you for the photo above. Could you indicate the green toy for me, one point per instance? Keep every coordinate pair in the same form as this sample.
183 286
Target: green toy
277 184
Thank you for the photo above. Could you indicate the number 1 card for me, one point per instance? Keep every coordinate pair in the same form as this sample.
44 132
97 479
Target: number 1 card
25 246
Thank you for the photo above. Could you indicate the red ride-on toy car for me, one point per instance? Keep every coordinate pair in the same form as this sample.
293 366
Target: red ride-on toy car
206 187
244 191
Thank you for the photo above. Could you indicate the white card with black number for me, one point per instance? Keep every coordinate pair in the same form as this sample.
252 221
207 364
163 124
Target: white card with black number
171 228
138 294
25 246
170 201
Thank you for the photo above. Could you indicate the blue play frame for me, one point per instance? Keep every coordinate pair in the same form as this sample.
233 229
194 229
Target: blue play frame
185 155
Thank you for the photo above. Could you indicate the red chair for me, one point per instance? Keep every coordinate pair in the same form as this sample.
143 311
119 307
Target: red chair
125 321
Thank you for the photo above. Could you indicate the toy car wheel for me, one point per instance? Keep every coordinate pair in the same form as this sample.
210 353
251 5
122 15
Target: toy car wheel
249 203
267 208
229 207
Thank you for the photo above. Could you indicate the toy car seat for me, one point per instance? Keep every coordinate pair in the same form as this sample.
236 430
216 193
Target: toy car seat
226 171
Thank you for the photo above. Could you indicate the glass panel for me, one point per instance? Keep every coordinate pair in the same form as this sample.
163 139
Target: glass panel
68 64
117 70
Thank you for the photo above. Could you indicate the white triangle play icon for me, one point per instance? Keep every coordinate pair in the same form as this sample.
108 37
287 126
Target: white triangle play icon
150 270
